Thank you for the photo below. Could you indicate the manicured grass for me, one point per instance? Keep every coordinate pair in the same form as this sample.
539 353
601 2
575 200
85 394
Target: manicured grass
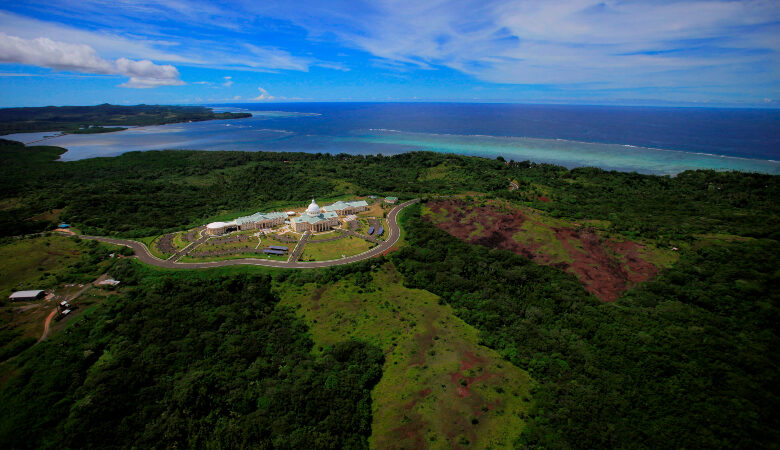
179 242
439 387
150 242
323 236
326 251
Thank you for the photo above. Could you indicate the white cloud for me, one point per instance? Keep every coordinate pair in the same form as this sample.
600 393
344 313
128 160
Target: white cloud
568 42
126 32
264 95
44 52
228 82
273 58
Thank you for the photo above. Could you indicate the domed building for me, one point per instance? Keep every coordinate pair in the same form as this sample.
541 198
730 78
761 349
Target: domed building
314 219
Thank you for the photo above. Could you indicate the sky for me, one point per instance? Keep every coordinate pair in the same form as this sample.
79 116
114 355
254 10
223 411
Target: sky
659 52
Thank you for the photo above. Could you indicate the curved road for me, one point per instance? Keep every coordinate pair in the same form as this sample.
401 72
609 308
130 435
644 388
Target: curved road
142 253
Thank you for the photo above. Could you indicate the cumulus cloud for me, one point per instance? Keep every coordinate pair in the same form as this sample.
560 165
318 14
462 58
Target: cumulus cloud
228 82
264 95
45 52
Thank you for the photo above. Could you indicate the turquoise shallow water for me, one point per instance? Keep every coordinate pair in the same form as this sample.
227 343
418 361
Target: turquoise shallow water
570 153
349 129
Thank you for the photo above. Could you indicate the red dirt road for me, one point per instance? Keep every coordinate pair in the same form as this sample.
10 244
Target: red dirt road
606 268
46 324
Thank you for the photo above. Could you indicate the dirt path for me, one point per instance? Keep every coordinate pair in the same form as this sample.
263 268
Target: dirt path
46 324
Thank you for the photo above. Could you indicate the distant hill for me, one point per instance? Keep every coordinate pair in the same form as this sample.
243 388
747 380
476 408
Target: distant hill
71 119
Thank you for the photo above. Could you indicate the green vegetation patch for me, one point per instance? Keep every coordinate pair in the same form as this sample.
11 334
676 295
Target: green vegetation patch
42 263
439 387
327 251
36 263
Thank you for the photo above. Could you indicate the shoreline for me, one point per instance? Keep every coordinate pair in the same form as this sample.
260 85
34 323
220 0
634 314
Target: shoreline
544 152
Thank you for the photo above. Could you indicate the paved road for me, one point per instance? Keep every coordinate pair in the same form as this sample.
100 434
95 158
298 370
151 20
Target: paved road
142 253
299 247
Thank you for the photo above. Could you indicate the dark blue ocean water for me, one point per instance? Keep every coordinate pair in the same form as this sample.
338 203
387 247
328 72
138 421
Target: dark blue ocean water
646 140
750 133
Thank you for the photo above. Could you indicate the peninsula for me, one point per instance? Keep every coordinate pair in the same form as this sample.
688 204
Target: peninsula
102 118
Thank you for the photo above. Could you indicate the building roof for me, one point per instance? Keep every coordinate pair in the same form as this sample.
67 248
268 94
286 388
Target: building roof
26 294
339 205
260 217
315 219
391 199
217 225
313 208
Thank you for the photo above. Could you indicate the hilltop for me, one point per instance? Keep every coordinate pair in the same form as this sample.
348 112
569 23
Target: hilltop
524 305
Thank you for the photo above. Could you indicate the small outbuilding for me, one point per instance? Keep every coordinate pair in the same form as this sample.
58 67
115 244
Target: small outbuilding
391 200
26 296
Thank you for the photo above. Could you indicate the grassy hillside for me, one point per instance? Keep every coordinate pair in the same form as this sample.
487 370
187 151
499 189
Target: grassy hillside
439 386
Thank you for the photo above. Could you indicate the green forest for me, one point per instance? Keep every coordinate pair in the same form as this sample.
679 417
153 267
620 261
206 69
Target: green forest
146 193
189 362
687 360
101 118
204 359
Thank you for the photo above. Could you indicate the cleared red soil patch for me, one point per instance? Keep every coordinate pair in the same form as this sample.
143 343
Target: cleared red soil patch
606 268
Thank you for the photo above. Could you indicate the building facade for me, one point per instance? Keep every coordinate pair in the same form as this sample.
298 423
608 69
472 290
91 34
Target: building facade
256 221
347 208
313 219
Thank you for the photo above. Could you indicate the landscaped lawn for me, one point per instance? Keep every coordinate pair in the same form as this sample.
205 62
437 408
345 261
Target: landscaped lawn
322 236
151 244
326 251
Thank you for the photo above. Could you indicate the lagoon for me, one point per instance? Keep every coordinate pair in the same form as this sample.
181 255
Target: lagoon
646 140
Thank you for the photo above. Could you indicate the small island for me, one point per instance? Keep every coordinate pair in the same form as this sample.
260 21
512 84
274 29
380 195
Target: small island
103 118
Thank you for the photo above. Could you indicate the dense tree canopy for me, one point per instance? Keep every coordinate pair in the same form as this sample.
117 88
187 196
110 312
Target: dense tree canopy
687 360
190 363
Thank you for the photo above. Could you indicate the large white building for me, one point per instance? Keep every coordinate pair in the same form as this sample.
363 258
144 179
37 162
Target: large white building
253 222
313 219
347 208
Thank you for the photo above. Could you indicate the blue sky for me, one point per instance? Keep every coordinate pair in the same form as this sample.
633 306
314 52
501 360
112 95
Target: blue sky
57 52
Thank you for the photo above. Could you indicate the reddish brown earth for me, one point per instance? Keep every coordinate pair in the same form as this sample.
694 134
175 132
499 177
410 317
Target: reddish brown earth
606 268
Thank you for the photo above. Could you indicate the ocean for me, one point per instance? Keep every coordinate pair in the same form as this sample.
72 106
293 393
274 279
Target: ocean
650 140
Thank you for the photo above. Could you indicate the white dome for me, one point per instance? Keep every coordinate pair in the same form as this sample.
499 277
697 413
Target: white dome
313 209
216 225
